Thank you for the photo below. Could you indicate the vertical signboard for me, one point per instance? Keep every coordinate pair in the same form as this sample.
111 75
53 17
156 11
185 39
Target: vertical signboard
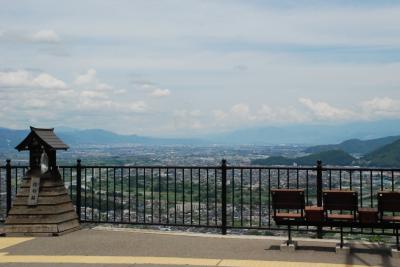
34 191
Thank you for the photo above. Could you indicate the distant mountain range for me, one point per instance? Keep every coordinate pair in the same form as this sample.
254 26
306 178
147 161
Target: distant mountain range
383 156
355 146
98 136
9 138
308 134
269 135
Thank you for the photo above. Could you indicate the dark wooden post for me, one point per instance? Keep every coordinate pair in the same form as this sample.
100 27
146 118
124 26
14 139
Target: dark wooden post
223 192
319 192
78 188
8 185
319 183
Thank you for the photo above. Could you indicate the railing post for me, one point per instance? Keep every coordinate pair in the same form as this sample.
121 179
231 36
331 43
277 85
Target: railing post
8 185
319 183
78 188
319 192
223 192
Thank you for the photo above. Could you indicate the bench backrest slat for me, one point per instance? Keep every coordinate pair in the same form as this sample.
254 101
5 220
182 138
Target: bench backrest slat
388 201
287 199
340 200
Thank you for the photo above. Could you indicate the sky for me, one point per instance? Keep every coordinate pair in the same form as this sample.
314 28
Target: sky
187 68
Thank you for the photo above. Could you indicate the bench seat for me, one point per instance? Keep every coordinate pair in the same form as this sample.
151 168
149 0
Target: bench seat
288 215
391 219
340 217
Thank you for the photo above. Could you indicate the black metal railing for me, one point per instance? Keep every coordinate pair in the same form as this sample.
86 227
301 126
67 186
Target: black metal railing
221 197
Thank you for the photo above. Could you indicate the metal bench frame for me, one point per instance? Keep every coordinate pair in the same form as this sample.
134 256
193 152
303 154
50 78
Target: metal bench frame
352 224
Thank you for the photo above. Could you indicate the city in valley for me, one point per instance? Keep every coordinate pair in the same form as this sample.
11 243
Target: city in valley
177 155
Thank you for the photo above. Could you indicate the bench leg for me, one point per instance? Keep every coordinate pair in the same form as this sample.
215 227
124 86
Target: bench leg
341 237
342 248
396 250
289 241
289 245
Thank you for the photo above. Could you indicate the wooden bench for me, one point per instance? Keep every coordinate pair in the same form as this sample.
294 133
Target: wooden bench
389 201
343 201
340 209
292 202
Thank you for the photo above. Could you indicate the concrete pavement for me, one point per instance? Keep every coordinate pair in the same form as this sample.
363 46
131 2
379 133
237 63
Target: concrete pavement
104 247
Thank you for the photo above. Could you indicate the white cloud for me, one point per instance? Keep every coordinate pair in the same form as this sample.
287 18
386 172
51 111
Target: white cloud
160 92
93 94
219 115
41 36
240 109
287 114
102 105
86 78
90 82
18 78
151 88
45 80
106 87
97 96
323 110
48 36
22 78
137 106
240 115
381 107
241 112
381 104
35 103
188 119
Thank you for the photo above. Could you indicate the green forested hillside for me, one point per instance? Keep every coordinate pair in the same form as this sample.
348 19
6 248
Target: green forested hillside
355 145
387 156
332 157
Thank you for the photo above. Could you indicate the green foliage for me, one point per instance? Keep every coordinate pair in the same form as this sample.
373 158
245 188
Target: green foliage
277 160
376 239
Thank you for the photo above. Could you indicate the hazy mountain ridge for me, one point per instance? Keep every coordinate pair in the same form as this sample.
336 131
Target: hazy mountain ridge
269 135
99 136
9 138
355 146
332 157
308 134
386 156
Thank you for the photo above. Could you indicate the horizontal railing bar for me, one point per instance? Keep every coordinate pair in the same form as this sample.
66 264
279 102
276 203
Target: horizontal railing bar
145 167
230 167
360 169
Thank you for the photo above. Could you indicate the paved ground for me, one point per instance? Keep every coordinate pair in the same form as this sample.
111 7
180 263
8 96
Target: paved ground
112 248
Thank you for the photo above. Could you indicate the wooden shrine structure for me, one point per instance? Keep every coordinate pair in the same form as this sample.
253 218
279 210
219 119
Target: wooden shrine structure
42 206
